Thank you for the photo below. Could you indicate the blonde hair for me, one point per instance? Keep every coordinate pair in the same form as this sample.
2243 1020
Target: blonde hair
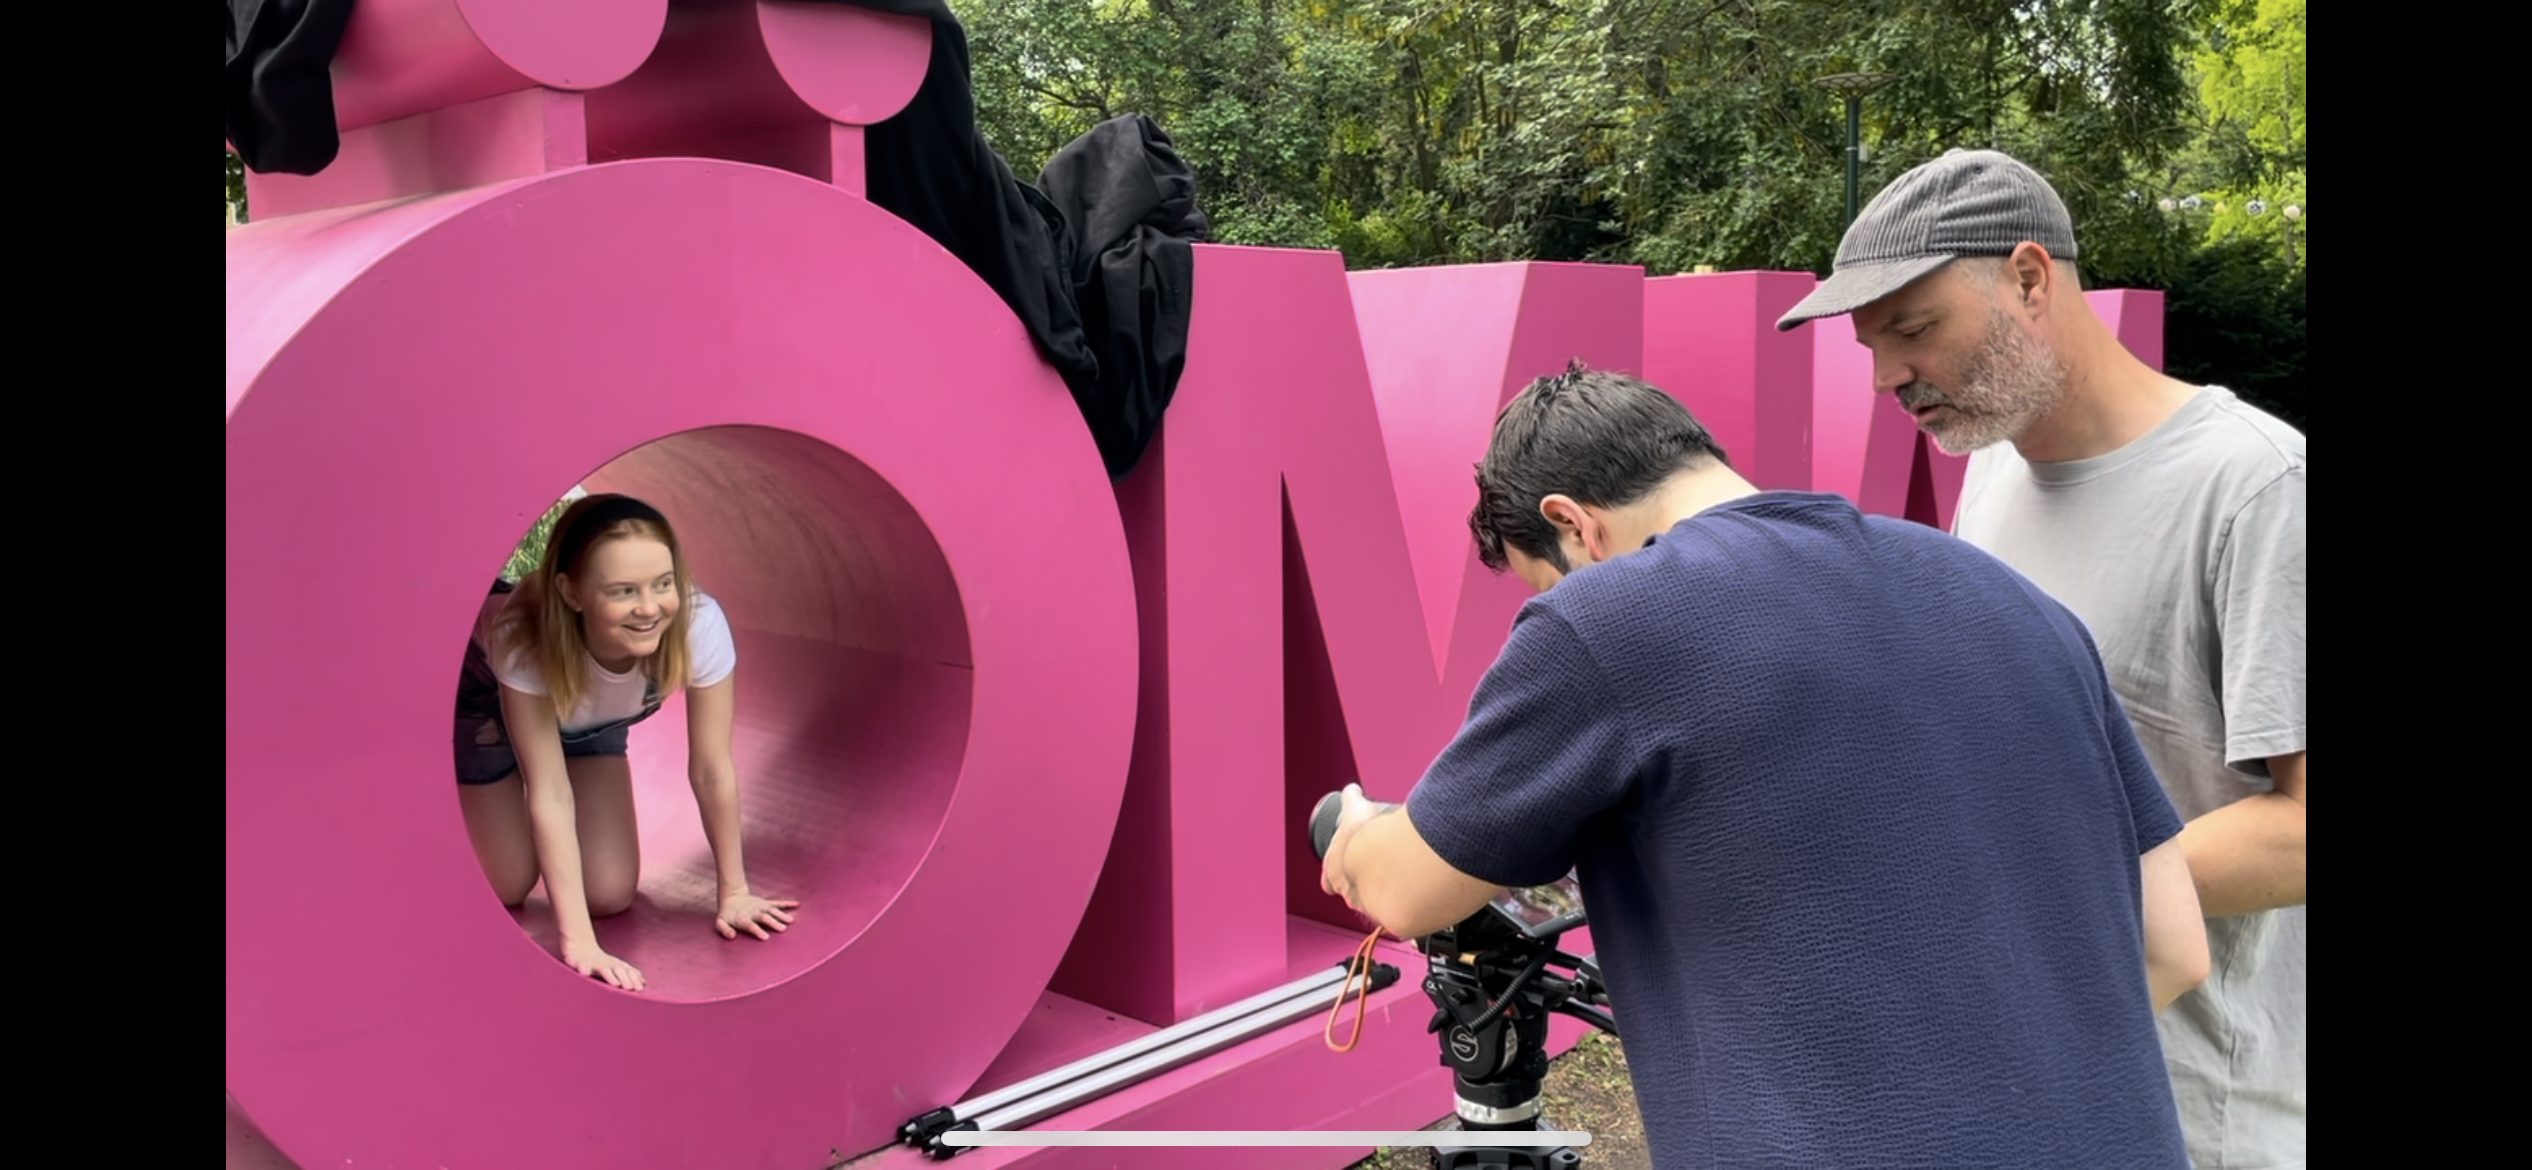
540 625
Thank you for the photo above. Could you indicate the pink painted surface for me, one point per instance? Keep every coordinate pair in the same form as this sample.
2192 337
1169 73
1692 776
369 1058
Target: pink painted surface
774 82
568 44
709 81
849 64
1446 348
1436 407
1709 341
439 95
506 136
1841 406
2135 317
1397 713
404 57
1276 441
1190 910
930 704
1865 447
847 165
1285 1080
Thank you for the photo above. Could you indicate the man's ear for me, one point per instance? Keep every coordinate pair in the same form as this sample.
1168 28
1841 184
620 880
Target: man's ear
1569 516
1563 512
2032 274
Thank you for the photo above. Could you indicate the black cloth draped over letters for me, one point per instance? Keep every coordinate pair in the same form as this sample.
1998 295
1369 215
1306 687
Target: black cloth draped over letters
1097 259
280 95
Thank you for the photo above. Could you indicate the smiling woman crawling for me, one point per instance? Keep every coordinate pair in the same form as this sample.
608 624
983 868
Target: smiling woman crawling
559 669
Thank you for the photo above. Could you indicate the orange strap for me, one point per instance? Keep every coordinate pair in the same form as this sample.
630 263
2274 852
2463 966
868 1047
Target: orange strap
1360 967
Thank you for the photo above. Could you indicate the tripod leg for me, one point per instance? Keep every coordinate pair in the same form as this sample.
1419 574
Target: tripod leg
1510 1158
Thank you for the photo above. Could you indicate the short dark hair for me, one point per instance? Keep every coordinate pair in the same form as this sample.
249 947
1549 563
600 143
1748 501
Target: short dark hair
1606 439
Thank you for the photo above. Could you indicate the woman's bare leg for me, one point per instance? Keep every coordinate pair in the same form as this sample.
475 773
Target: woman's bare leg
497 823
610 838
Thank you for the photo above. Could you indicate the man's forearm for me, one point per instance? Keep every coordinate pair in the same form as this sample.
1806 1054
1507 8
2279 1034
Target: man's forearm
1370 871
2176 957
1346 866
1381 865
2248 856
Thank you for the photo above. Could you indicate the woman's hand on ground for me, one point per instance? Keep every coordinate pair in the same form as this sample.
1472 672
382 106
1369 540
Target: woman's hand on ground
754 915
587 959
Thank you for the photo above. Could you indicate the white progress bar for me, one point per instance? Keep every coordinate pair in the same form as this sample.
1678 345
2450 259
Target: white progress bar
1437 1139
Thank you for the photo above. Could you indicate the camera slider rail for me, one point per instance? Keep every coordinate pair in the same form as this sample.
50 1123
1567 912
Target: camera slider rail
1095 1076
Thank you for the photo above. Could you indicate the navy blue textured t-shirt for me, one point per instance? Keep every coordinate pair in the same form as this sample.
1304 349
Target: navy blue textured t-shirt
1857 817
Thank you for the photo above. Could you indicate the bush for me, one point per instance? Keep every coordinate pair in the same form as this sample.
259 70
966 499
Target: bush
531 548
2234 317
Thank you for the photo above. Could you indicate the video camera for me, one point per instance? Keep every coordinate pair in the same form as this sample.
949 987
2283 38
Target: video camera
1492 985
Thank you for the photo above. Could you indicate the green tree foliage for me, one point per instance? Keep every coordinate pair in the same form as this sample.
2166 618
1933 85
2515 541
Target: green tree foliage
237 190
1680 133
1669 133
2252 87
531 549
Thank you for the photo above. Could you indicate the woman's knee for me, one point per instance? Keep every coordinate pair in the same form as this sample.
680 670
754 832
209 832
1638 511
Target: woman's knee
608 899
513 888
611 871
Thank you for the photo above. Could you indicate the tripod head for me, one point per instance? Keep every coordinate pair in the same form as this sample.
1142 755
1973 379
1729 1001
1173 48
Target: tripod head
1492 981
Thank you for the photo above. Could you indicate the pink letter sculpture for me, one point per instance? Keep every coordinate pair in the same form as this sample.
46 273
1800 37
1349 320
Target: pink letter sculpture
924 562
1033 749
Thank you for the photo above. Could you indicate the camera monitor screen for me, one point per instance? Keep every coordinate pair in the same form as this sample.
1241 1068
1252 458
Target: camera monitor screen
1541 911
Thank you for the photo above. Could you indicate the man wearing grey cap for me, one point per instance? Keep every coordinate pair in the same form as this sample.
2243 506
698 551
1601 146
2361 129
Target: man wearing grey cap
2170 518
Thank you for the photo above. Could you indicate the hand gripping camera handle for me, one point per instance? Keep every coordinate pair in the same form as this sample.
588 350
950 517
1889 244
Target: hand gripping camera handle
1323 823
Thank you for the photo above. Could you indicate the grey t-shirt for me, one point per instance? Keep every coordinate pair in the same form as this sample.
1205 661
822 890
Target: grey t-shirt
2184 552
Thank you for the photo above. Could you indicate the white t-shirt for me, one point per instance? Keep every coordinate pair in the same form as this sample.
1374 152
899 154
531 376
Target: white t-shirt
614 696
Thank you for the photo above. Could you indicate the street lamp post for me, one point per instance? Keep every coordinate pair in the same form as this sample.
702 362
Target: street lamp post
1853 87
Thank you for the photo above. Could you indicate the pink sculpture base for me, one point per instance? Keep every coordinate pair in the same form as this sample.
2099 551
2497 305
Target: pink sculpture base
1284 1080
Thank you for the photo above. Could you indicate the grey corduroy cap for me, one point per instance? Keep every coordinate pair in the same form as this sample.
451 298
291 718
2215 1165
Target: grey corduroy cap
1966 203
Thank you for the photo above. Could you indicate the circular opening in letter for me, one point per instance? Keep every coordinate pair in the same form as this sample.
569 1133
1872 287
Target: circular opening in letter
852 695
